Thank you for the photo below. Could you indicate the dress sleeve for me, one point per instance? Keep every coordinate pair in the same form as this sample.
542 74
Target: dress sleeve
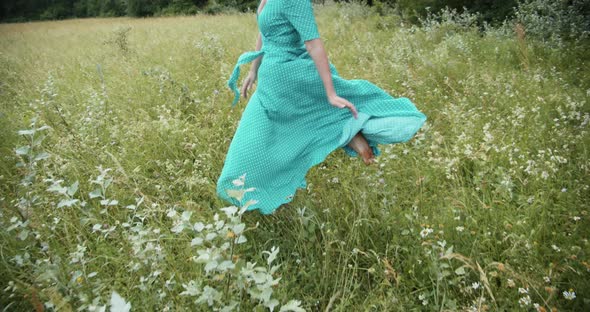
300 15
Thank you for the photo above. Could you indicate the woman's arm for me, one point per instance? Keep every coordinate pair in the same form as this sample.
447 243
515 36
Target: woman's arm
253 74
316 50
256 62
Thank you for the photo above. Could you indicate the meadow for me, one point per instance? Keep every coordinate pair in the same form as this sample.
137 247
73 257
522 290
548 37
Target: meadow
113 133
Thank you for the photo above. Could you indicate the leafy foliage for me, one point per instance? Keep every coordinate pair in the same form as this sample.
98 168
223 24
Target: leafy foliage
123 133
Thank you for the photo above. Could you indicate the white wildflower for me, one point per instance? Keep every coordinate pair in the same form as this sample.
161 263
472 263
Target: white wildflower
569 295
547 279
425 232
524 301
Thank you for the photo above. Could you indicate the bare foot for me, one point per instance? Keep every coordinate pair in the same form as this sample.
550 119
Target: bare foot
360 145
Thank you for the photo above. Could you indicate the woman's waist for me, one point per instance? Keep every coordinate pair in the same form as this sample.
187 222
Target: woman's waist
278 50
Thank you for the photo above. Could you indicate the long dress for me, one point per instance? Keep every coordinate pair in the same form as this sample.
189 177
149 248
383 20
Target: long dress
288 125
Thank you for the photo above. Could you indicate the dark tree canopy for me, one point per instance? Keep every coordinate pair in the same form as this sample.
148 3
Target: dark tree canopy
567 12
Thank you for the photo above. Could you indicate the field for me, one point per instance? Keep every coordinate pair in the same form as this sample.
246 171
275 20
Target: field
113 133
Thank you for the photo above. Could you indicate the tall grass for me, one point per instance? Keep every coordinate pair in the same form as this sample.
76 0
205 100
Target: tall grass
485 209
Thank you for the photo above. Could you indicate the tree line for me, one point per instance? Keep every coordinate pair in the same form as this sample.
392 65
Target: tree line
26 10
490 11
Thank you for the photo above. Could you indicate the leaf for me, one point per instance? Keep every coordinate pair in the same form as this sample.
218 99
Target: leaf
191 289
23 234
199 226
73 188
197 241
186 215
26 132
230 211
292 305
274 268
460 270
259 277
239 228
96 193
67 203
246 205
449 251
211 265
237 194
107 182
265 294
230 307
204 257
23 150
271 304
225 265
210 295
118 304
272 255
56 188
177 228
210 236
41 156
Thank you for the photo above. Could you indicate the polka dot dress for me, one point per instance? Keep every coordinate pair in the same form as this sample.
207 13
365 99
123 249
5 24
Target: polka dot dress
288 125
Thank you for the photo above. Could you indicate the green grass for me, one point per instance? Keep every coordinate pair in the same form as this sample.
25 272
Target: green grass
500 171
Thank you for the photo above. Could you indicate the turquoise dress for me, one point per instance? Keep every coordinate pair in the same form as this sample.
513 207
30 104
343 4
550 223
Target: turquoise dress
288 125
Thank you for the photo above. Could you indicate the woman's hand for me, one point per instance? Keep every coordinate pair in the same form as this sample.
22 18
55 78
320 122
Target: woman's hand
339 102
248 82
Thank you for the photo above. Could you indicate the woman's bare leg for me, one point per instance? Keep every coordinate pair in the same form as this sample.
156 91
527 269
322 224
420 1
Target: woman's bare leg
360 145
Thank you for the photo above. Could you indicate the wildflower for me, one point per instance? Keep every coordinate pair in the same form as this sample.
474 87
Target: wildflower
523 291
547 279
524 301
576 218
555 248
459 229
425 232
563 190
530 199
569 295
475 285
510 283
422 297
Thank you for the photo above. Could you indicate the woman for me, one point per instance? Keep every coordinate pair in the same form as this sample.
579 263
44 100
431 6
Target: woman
302 110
